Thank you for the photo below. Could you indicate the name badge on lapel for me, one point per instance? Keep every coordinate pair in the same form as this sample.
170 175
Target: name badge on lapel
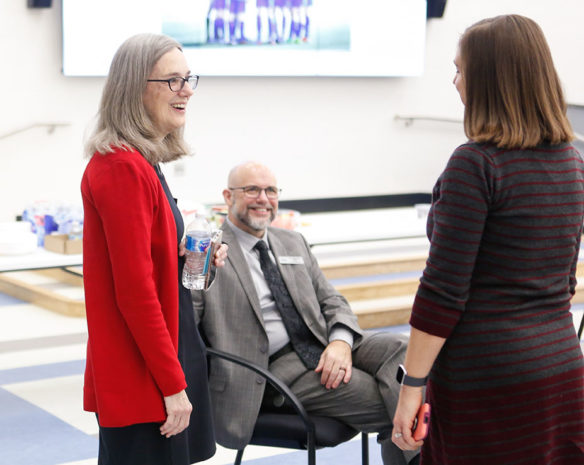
291 260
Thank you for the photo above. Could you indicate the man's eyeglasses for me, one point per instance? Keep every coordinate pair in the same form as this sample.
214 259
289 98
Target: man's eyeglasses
253 192
176 84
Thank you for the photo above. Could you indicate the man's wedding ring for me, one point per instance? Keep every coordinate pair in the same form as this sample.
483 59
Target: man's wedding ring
397 435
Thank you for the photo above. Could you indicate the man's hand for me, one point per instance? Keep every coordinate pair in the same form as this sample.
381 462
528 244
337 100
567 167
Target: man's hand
335 364
220 255
178 414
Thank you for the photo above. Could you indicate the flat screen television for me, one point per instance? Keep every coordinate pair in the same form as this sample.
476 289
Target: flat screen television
255 37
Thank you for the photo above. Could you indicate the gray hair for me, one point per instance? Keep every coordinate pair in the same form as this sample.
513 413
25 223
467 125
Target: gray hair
122 120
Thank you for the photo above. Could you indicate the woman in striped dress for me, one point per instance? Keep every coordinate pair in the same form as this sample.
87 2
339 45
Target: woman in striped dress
491 322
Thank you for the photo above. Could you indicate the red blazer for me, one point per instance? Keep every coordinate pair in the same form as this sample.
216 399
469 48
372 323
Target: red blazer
130 274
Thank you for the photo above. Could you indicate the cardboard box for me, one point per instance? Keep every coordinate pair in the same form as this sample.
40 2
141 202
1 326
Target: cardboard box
61 243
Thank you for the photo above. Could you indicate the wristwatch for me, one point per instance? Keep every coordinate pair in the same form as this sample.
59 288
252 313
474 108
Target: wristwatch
402 377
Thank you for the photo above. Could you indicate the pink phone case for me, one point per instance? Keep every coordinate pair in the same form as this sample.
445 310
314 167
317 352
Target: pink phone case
421 429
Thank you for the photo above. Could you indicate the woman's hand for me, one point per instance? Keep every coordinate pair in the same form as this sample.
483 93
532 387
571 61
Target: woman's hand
178 414
423 349
218 259
410 400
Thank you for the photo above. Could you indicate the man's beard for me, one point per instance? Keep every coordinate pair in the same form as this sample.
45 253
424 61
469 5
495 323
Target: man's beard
257 224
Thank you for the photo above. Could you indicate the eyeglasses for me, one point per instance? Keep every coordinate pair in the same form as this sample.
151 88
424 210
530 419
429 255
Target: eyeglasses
253 192
176 84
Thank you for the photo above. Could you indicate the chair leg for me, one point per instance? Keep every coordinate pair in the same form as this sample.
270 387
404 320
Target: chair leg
238 457
364 448
311 448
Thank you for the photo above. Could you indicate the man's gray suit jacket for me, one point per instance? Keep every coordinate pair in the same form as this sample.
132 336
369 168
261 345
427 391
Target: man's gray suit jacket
231 320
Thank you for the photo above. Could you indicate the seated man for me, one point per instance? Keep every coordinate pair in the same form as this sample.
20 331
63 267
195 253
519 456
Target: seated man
272 305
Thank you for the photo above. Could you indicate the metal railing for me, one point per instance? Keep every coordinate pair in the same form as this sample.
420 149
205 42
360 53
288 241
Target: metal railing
50 128
409 120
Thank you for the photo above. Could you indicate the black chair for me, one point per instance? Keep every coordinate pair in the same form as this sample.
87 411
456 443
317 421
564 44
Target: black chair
297 429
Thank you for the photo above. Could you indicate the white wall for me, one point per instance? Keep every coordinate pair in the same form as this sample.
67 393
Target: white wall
324 137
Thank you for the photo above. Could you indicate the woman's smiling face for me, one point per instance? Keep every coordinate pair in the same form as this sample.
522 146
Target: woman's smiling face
166 108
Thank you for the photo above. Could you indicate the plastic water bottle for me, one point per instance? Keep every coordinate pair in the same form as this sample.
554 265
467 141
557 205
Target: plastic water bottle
198 256
75 230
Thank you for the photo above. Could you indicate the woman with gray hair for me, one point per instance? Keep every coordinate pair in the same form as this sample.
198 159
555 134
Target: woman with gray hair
146 366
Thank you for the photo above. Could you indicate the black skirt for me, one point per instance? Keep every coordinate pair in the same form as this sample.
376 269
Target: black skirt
142 444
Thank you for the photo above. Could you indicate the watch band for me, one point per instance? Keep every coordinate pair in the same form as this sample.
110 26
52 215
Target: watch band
403 378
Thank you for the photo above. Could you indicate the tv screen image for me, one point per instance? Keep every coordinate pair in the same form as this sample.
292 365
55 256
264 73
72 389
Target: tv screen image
255 37
295 24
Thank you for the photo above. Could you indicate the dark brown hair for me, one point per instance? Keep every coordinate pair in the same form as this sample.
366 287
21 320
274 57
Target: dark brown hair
513 94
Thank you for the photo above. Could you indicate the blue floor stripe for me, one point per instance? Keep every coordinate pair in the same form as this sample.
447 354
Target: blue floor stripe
400 329
6 300
375 278
38 372
31 436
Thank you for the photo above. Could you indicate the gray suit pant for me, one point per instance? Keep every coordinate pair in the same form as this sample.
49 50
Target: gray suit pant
367 402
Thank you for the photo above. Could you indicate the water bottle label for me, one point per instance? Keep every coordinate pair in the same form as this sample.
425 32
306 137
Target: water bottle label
195 244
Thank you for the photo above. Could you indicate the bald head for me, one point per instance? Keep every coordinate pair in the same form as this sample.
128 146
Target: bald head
248 211
240 174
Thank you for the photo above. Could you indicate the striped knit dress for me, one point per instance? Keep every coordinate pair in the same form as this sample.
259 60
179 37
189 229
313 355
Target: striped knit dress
508 386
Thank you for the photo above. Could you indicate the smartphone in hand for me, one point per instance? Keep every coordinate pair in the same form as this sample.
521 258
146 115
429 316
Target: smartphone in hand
422 422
